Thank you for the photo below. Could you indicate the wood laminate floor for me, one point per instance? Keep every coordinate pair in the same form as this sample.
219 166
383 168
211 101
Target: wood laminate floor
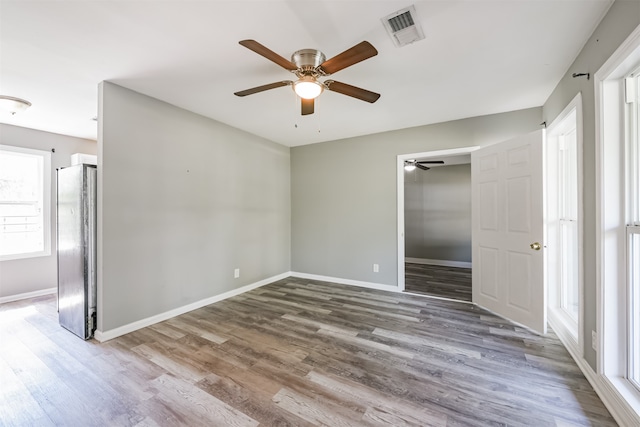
438 281
294 353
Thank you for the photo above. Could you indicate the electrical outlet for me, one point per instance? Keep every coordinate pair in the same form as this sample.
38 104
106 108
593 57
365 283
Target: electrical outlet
376 268
594 340
236 273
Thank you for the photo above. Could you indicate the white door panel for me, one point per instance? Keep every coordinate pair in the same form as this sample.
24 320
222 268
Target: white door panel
507 218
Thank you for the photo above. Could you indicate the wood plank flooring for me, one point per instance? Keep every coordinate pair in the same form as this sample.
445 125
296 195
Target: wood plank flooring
294 353
438 281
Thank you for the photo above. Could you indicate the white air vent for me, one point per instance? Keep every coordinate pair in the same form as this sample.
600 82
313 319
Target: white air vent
402 26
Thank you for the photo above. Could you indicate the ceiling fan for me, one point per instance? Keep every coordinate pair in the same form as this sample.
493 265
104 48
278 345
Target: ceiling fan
411 164
309 65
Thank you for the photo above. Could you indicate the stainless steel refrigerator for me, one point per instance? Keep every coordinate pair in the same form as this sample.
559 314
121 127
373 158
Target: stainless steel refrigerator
77 249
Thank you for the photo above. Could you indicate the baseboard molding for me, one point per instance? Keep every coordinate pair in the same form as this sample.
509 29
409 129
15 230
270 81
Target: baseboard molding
28 295
441 262
619 408
565 336
369 285
103 336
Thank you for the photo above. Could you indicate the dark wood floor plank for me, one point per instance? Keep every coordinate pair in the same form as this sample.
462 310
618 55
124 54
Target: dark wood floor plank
438 281
297 352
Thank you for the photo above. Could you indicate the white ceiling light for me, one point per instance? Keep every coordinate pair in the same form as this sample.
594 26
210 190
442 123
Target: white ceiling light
308 87
410 165
13 105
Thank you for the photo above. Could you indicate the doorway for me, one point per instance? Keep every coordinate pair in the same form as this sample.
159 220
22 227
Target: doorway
507 227
434 224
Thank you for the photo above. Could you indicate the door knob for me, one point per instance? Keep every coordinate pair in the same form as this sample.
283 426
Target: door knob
535 246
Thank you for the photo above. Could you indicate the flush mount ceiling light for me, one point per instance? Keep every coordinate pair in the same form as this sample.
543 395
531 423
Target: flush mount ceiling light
13 105
308 87
410 165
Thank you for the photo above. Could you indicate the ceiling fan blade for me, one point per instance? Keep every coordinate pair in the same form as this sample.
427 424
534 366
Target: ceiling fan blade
359 52
307 106
263 88
424 168
355 92
269 54
432 162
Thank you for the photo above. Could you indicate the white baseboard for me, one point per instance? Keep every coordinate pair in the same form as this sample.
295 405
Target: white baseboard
369 285
441 262
28 295
103 336
619 408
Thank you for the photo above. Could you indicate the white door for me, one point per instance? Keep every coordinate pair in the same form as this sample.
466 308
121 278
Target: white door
507 230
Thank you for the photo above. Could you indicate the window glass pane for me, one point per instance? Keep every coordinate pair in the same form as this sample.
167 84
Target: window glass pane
634 281
568 219
633 256
569 269
634 154
21 203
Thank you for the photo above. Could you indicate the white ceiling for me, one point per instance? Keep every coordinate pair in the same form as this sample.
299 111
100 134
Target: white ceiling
479 57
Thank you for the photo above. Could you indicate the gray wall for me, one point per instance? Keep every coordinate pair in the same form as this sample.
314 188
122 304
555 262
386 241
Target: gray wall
344 198
184 201
623 17
437 207
37 274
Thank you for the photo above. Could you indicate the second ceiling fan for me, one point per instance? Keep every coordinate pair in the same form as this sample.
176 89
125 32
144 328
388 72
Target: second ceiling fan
410 165
309 65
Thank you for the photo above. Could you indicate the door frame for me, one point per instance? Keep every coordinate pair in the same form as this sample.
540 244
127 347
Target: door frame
400 197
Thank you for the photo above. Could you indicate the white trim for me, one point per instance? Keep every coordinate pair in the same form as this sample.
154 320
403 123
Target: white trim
103 336
556 127
400 197
369 285
441 262
27 295
619 408
557 324
46 202
613 389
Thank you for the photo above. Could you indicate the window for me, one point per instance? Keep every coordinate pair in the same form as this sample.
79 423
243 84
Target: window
617 85
25 187
634 309
563 224
632 95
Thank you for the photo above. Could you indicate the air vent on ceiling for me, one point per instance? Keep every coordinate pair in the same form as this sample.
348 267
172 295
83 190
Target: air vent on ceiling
402 26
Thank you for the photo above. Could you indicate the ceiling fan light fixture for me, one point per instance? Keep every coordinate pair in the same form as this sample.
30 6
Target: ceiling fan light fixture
13 105
409 165
308 87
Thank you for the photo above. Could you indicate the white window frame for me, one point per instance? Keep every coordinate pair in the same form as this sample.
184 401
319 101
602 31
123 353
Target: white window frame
622 396
46 202
633 242
571 331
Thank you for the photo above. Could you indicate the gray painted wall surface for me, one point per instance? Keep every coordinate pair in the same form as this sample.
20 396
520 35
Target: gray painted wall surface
36 274
623 17
184 201
344 198
437 207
